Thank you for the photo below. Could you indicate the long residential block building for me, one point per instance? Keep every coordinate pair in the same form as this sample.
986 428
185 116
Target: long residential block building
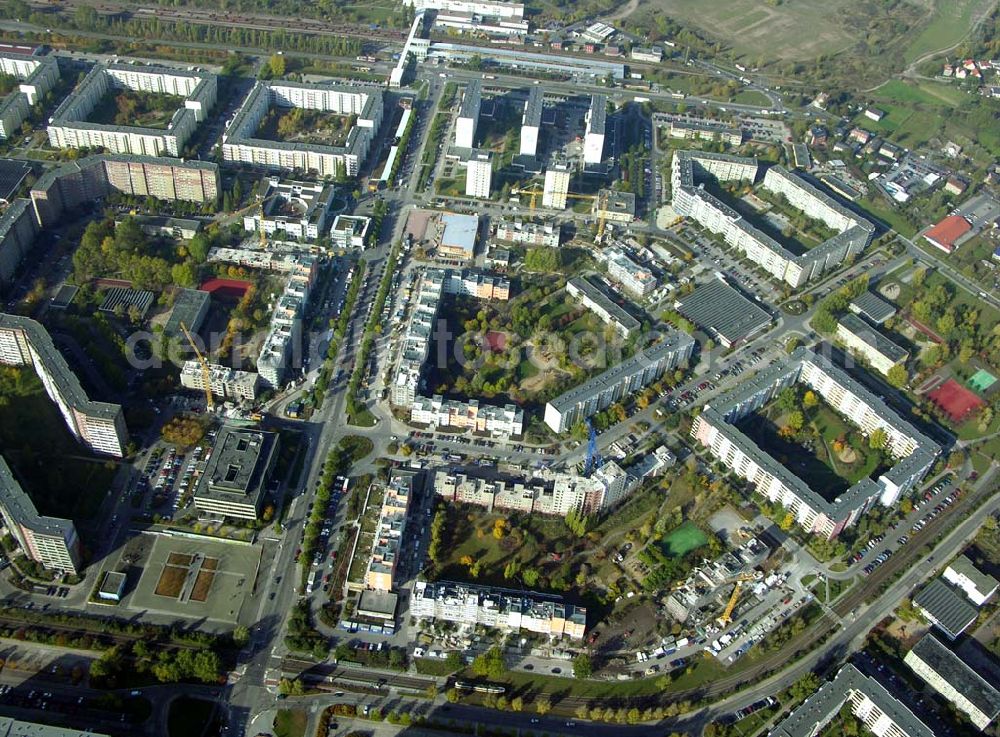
436 411
82 182
36 75
546 492
98 425
240 143
618 382
69 127
690 169
879 711
502 609
950 676
865 341
282 348
528 232
415 347
600 303
715 428
51 541
397 494
91 179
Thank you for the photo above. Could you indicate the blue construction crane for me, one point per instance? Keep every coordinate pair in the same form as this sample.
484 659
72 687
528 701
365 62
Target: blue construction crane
593 461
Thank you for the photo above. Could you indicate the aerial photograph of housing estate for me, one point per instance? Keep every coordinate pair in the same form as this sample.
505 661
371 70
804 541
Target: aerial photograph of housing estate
556 368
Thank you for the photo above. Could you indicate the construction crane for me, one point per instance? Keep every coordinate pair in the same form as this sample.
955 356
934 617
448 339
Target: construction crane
594 460
206 372
259 207
727 615
601 210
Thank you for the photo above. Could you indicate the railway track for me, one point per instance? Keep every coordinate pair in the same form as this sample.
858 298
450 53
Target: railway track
250 21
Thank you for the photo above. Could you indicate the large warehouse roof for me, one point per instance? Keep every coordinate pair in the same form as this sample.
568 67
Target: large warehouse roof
723 312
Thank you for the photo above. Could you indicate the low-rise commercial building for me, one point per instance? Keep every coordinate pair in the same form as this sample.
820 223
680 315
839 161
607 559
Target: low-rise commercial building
691 168
458 236
240 143
648 54
51 541
882 714
614 207
502 609
725 314
296 209
950 676
98 425
865 341
977 586
944 606
225 382
69 127
235 478
715 428
618 382
190 309
10 727
872 307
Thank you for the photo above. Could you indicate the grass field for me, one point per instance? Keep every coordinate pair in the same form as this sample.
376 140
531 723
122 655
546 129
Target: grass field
927 93
803 30
950 24
290 723
683 540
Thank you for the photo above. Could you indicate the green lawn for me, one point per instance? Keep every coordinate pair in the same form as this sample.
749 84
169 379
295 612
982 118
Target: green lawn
924 92
189 717
290 723
683 540
751 97
948 26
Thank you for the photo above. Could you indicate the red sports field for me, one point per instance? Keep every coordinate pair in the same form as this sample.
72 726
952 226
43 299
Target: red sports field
955 400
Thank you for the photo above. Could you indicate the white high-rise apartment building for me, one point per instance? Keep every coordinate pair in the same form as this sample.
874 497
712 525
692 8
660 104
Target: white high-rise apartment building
479 175
593 140
556 187
468 115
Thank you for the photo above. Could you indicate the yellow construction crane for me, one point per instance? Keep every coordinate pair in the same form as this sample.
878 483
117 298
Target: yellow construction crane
727 615
601 210
206 372
259 207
